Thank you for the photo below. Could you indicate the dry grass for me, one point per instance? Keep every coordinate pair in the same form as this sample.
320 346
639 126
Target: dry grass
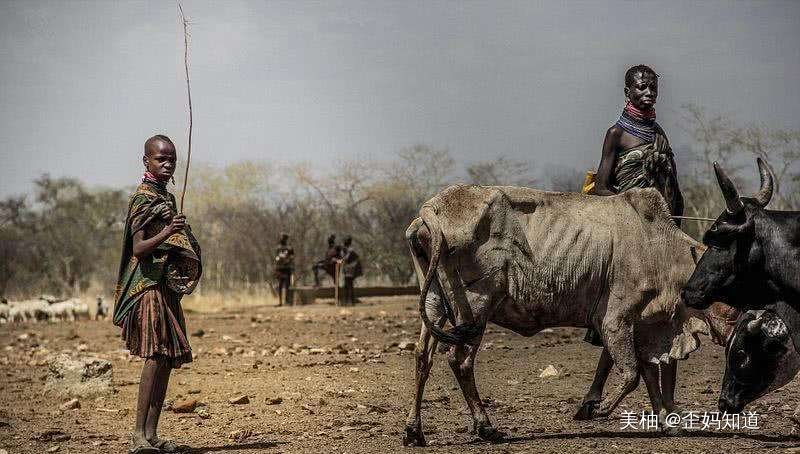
217 301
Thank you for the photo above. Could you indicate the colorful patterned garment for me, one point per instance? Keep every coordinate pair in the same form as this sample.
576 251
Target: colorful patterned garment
649 165
156 327
159 280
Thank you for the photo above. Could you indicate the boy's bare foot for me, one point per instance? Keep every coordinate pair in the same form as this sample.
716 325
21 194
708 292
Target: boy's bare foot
140 445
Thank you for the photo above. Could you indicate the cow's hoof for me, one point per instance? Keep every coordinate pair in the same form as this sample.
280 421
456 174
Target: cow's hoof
586 412
413 436
675 431
490 434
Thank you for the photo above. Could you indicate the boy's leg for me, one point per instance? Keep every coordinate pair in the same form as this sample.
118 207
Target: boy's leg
146 394
157 402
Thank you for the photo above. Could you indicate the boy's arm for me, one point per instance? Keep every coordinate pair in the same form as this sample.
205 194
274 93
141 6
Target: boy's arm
143 247
602 181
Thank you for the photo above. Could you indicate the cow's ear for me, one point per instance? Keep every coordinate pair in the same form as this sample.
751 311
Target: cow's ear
694 254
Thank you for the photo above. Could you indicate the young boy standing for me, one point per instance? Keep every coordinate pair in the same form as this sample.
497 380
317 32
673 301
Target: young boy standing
160 262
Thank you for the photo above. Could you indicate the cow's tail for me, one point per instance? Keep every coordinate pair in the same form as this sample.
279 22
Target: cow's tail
460 334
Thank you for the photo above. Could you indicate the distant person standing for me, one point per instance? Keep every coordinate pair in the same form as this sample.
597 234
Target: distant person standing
351 269
328 264
284 267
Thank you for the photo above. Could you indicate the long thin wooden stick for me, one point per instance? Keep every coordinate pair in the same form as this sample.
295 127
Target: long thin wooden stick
189 94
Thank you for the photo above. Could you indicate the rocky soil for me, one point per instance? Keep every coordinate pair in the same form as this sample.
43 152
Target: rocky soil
324 379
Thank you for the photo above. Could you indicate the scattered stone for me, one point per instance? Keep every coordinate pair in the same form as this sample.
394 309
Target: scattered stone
549 371
52 435
193 391
71 404
203 413
377 409
408 346
220 351
79 377
82 347
53 448
241 435
199 333
239 400
273 400
282 350
184 406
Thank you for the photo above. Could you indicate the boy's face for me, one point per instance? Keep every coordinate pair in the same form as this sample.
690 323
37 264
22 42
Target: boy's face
643 91
160 160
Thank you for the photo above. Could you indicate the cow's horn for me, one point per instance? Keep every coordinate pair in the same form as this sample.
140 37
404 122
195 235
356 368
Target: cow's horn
732 199
764 194
754 326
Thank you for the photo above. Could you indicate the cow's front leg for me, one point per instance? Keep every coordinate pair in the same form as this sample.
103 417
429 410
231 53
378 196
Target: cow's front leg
669 374
619 334
651 381
595 394
426 347
462 361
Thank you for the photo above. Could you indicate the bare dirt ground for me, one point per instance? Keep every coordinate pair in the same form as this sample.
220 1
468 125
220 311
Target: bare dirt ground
325 379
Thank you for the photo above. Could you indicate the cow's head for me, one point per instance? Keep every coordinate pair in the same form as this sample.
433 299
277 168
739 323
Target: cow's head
760 358
726 263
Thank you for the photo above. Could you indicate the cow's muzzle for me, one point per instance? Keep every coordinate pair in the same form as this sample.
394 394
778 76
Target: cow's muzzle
695 299
730 407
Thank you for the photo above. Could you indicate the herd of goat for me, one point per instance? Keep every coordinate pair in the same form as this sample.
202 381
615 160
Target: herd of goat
49 308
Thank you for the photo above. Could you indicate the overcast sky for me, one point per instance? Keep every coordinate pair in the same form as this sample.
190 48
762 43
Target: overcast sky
83 83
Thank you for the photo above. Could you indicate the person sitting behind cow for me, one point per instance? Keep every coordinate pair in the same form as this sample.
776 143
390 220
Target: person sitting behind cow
351 269
328 263
636 152
284 266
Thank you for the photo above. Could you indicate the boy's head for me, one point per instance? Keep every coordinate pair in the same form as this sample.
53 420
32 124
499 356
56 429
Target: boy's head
331 240
160 157
641 86
283 238
348 241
